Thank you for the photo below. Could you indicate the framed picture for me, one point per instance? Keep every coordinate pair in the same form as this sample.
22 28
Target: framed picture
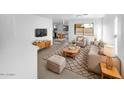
78 29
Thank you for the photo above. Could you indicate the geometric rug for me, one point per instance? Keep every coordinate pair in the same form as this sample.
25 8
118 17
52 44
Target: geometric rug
79 64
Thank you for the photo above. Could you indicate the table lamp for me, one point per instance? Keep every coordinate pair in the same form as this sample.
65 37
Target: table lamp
108 52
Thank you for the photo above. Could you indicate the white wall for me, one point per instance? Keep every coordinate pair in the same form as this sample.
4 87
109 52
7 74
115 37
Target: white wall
108 29
48 24
108 35
7 46
97 27
121 42
18 57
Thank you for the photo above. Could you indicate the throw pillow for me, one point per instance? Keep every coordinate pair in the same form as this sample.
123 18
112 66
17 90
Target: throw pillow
101 44
101 51
80 39
96 43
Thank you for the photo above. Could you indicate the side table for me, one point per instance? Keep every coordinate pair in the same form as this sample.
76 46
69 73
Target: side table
113 73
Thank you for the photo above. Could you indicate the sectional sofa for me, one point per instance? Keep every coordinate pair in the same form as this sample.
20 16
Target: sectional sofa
94 58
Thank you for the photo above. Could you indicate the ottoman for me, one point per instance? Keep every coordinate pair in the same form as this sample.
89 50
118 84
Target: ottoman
56 63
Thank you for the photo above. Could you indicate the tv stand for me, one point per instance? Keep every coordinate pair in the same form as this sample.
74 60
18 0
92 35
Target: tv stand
42 43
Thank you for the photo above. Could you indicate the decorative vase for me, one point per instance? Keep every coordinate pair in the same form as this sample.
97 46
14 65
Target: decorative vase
109 64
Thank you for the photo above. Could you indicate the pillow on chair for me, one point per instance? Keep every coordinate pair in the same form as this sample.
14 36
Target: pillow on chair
79 38
96 43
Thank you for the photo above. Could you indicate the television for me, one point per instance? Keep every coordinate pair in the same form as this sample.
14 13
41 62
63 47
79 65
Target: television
40 32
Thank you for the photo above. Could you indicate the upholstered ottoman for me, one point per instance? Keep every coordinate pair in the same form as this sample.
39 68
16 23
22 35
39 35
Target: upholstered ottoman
56 63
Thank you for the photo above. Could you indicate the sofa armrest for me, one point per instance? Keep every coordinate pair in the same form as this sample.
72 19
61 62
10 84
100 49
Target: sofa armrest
93 63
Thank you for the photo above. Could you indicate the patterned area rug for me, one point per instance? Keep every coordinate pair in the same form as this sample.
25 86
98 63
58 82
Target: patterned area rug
79 64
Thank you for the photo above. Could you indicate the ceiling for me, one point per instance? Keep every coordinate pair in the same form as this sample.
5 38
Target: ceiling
60 18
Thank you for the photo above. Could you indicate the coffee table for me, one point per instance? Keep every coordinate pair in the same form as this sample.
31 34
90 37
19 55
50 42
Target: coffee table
113 73
71 52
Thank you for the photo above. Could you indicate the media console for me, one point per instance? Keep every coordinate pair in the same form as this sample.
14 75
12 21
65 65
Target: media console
42 43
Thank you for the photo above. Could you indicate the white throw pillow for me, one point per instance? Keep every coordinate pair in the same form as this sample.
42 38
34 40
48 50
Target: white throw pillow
80 39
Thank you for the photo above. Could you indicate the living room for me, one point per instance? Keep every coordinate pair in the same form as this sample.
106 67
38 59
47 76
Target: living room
105 29
61 46
22 49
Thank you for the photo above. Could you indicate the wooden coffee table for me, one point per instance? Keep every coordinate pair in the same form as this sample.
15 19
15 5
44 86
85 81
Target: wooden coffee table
113 73
71 52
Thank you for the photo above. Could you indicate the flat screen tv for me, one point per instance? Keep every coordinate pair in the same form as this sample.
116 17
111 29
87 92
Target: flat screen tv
40 32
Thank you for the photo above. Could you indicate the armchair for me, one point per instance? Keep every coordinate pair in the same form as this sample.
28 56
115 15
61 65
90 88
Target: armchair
81 41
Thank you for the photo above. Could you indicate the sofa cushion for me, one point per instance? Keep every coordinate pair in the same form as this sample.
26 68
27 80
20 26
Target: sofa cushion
96 43
101 44
101 51
93 49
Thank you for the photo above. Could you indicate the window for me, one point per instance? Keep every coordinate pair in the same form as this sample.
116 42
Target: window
84 29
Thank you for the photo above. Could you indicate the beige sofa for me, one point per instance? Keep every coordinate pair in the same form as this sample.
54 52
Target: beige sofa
94 59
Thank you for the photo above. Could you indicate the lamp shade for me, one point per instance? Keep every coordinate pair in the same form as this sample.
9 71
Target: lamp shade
108 50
